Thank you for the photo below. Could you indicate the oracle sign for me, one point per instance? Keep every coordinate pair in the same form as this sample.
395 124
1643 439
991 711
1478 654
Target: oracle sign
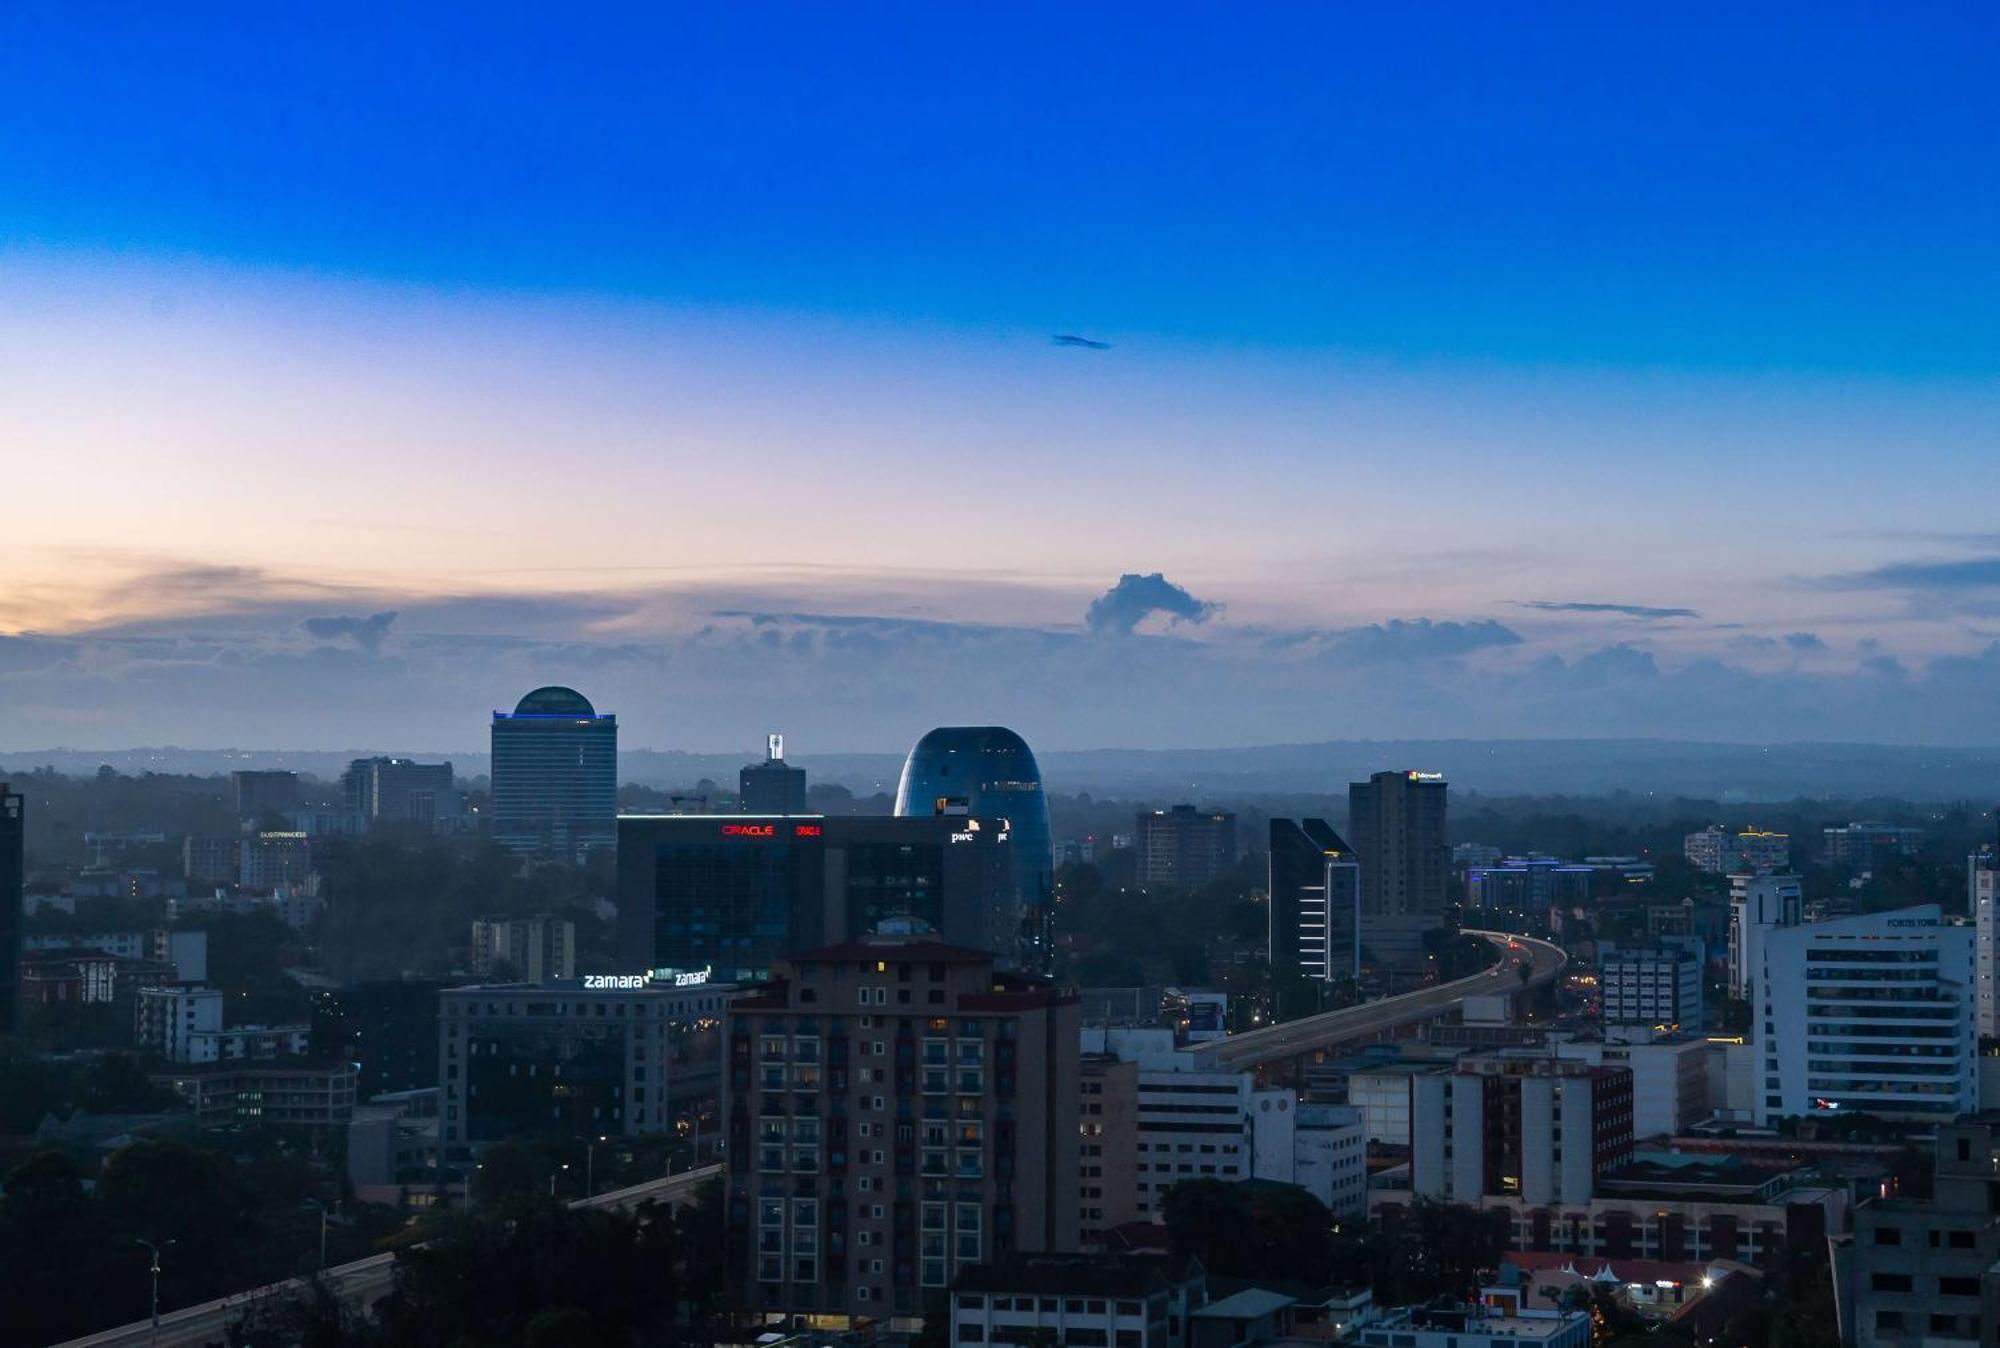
749 830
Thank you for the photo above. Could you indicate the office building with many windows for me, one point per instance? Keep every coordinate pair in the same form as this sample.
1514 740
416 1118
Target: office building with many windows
773 786
384 792
989 772
1396 821
1314 910
1871 1014
605 1054
555 776
898 1110
1982 900
735 893
1659 985
1183 848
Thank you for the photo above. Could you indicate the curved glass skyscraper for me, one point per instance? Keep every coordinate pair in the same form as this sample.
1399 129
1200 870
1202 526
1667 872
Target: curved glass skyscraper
555 776
990 772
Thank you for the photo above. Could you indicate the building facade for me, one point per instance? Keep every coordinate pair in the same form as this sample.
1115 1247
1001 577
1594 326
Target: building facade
1314 910
1867 844
773 786
898 1110
1659 985
1396 821
1544 1130
1758 904
989 772
600 1055
261 794
268 860
1107 1301
13 910
383 792
555 776
1922 1270
538 949
1870 1014
736 893
1718 851
1183 848
1982 900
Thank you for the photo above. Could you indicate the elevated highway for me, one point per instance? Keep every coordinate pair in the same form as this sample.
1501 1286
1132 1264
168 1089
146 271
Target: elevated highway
361 1283
1358 1024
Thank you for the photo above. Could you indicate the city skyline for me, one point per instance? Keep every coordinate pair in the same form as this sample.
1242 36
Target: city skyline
1592 377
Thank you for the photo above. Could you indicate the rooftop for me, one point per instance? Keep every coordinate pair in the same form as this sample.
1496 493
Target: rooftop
1103 1275
1249 1304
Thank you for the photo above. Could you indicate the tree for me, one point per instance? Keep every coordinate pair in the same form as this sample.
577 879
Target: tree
1433 1248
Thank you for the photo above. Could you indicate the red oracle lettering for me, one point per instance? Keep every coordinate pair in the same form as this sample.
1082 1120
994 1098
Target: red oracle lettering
749 830
806 831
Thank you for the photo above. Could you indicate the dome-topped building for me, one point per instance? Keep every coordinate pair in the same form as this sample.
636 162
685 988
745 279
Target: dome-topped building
554 700
990 772
555 776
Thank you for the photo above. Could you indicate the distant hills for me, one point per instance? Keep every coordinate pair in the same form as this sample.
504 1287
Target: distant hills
1497 767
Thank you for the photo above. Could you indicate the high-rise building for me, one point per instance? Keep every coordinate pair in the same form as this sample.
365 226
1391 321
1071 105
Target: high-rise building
1757 904
1396 821
262 794
990 772
773 786
381 792
13 915
735 893
574 1058
897 1110
537 949
1871 1014
1184 848
1314 911
555 776
1982 900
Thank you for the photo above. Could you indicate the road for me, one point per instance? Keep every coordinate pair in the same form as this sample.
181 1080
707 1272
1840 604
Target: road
1274 1042
363 1282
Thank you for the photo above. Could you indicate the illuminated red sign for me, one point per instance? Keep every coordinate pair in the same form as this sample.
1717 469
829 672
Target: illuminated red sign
749 830
805 830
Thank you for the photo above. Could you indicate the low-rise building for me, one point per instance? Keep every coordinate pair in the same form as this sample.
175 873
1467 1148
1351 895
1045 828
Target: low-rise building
1503 1316
283 1093
1101 1300
1923 1270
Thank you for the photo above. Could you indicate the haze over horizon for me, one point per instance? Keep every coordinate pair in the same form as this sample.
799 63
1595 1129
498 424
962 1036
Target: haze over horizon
1614 375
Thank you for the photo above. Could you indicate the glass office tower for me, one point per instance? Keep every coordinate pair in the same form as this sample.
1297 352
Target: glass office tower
989 771
555 776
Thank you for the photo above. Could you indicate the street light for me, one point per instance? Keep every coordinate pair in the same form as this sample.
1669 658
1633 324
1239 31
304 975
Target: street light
590 1167
552 1177
322 1231
154 1335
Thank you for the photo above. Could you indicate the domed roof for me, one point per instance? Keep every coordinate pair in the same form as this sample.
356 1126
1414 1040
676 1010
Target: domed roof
554 700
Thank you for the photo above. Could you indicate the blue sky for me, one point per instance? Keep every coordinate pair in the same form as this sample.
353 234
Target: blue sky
1536 317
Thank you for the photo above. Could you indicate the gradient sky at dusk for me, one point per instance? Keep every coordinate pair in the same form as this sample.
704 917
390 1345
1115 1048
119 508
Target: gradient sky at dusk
1546 371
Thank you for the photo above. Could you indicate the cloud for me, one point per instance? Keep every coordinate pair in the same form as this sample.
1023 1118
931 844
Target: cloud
1135 598
1624 610
1804 641
367 633
1418 639
1972 573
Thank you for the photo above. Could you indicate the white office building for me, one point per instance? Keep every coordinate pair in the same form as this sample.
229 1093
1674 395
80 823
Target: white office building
1655 986
169 1019
1869 1014
1330 1157
1982 885
1757 904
